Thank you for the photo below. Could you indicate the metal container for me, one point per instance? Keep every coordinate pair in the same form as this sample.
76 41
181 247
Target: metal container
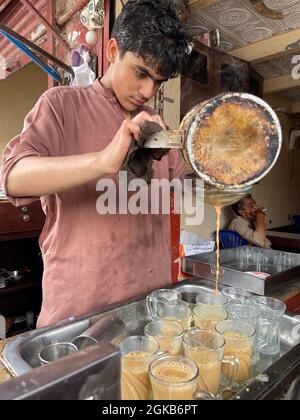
55 352
231 141
238 267
108 328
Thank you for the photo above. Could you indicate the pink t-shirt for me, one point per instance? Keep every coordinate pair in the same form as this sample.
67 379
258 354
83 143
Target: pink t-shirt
90 260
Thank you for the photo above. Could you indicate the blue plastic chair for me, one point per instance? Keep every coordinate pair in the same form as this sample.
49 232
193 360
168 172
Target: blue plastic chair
296 219
231 239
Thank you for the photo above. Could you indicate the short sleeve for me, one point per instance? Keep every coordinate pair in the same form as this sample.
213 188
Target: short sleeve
42 136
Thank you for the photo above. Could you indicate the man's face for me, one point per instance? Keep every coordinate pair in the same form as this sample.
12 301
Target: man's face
133 82
250 207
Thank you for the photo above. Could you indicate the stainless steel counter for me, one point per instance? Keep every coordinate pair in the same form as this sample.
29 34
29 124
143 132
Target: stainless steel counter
272 373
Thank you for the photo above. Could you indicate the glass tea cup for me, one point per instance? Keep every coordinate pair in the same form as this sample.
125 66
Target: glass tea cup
160 297
178 312
174 378
137 352
239 343
168 334
236 295
206 348
272 312
251 315
209 311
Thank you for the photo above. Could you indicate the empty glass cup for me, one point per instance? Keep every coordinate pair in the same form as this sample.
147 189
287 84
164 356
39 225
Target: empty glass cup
236 295
168 334
272 311
160 297
210 310
251 315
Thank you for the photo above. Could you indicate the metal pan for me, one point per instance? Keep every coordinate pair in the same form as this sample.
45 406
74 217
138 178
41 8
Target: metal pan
231 141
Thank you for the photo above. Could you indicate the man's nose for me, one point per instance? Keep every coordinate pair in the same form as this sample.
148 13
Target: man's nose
148 89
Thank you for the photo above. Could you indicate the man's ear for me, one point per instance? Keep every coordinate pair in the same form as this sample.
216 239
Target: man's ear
112 50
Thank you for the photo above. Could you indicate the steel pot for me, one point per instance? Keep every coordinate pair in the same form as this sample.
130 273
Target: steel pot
231 141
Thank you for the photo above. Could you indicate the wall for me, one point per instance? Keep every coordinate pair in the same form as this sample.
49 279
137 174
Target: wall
18 94
280 191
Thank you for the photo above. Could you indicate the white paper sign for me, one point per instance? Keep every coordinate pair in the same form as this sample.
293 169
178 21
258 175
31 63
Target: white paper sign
205 246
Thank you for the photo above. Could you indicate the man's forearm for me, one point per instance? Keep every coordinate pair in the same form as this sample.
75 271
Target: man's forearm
39 176
261 229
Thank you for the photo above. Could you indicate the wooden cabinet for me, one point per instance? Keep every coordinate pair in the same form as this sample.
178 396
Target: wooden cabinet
209 73
20 222
256 82
230 74
197 80
19 250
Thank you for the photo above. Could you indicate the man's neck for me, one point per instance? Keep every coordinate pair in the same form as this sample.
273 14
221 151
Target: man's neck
105 81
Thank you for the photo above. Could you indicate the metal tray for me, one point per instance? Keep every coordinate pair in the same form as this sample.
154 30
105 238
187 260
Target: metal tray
238 263
21 354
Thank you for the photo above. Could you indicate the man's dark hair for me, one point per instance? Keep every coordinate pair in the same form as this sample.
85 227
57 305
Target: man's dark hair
240 205
150 29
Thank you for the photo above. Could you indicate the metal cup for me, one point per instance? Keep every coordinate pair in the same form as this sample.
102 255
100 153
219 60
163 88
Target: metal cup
108 328
55 352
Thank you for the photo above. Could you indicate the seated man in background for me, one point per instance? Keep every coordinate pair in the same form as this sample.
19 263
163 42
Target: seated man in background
250 222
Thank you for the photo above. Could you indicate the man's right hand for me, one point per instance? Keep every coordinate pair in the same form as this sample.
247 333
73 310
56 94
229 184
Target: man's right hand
114 155
260 212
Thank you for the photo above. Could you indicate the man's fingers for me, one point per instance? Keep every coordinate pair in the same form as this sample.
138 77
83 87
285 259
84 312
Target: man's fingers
144 116
158 120
130 128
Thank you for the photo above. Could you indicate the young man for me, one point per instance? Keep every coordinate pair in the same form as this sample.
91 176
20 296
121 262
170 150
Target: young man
250 222
73 137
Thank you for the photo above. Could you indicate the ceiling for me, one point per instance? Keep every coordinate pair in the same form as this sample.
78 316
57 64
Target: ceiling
275 67
242 27
240 24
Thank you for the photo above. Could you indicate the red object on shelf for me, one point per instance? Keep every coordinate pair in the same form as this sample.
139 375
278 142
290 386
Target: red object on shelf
293 304
79 5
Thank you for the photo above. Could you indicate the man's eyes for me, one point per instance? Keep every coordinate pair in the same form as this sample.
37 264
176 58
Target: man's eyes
141 75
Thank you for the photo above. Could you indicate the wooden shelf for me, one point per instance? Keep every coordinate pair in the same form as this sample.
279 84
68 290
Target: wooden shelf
18 286
12 236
